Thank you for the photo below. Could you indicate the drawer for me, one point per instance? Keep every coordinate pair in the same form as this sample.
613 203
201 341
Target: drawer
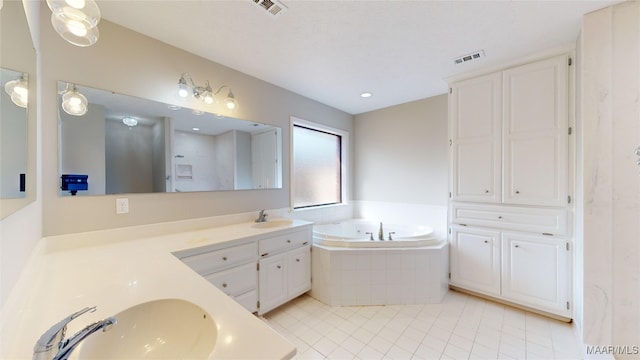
212 261
537 220
237 280
284 242
248 300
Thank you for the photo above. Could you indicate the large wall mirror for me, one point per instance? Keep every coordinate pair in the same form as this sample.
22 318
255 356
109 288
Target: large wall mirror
17 110
117 144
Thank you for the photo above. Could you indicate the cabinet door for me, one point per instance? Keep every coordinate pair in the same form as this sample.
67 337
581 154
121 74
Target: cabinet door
475 259
299 271
273 282
535 271
475 108
535 128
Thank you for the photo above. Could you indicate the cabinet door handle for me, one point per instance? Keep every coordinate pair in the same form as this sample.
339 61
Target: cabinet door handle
305 243
224 285
224 258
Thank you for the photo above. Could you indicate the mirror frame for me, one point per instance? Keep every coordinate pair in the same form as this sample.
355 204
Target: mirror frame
20 56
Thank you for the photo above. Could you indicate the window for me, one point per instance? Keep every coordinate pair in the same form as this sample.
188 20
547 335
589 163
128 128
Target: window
318 165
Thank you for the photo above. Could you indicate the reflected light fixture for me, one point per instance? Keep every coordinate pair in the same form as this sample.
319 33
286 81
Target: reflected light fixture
76 20
366 94
129 121
73 102
18 90
204 93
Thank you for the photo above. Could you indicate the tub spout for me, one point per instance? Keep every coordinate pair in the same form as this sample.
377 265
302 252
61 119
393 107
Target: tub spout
380 233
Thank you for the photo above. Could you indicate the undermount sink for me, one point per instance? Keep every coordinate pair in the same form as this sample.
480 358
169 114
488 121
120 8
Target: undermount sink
272 223
160 329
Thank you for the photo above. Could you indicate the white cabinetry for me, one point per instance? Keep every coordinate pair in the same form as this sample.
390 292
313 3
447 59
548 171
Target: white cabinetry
510 222
285 268
259 272
231 267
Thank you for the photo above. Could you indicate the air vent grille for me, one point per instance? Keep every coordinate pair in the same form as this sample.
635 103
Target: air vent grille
469 57
273 7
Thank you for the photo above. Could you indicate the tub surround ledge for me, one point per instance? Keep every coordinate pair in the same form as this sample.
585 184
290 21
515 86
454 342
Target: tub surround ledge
115 275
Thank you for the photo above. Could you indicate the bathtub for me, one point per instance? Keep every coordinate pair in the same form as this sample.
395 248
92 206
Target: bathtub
348 268
358 233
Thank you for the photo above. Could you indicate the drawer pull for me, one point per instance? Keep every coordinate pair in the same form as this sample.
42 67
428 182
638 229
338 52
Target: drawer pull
265 254
517 192
297 260
499 217
224 258
486 191
517 246
486 241
288 241
305 243
224 285
279 266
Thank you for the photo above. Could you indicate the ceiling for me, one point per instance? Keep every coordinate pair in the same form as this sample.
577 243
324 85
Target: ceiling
332 51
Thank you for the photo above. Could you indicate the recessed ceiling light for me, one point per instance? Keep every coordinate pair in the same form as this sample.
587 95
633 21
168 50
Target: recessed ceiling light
366 94
174 107
195 129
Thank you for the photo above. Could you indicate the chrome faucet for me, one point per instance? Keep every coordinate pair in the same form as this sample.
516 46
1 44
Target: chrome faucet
380 233
54 338
262 216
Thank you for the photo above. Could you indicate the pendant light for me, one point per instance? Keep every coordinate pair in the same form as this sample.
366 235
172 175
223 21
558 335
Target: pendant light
76 20
18 90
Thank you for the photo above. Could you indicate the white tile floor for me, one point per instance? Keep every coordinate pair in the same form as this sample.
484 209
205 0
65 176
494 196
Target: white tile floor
461 327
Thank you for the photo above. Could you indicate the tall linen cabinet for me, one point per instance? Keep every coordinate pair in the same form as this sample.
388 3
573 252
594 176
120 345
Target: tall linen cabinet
510 201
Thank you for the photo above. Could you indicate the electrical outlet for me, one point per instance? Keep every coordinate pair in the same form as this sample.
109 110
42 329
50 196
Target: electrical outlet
122 206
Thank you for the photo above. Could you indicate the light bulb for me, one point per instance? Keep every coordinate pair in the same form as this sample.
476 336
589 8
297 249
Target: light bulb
74 103
77 28
230 101
78 4
18 90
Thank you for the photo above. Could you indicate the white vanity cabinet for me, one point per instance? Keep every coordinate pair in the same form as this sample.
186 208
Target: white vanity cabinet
285 268
231 267
509 210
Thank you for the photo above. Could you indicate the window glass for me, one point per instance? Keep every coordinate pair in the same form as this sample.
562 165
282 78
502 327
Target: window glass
316 167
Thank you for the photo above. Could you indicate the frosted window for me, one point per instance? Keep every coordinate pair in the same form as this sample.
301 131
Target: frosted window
316 166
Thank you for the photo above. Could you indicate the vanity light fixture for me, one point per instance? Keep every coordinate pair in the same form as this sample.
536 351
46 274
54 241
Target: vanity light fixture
73 102
76 20
18 90
129 121
204 93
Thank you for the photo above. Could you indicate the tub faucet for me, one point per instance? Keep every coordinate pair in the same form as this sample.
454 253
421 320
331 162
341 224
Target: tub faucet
380 233
54 339
262 216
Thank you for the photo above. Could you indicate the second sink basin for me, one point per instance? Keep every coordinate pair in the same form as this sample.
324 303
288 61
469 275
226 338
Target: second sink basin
160 329
273 223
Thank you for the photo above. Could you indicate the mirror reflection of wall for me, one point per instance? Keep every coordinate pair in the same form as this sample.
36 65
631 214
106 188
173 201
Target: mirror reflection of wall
131 145
13 138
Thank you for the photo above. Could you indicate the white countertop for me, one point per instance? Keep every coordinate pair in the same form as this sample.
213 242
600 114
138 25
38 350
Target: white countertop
62 277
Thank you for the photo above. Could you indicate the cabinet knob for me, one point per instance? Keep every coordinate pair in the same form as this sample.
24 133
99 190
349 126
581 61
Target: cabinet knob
288 241
517 192
499 217
517 246
224 285
279 266
297 260
486 241
486 191
224 258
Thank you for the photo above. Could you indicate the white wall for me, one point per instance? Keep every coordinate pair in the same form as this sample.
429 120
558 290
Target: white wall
401 153
611 187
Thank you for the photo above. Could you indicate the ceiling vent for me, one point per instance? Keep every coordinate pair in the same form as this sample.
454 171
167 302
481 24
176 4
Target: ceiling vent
273 7
469 57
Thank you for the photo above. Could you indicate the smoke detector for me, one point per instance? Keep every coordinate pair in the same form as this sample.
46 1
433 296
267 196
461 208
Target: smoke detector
273 7
469 57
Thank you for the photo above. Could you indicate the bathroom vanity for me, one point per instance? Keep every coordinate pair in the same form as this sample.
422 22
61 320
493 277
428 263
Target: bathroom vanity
122 270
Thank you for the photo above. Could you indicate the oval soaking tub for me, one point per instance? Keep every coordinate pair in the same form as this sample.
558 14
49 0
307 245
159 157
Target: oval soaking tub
359 233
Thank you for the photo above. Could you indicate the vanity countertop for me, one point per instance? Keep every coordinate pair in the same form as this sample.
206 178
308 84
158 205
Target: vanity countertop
62 277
